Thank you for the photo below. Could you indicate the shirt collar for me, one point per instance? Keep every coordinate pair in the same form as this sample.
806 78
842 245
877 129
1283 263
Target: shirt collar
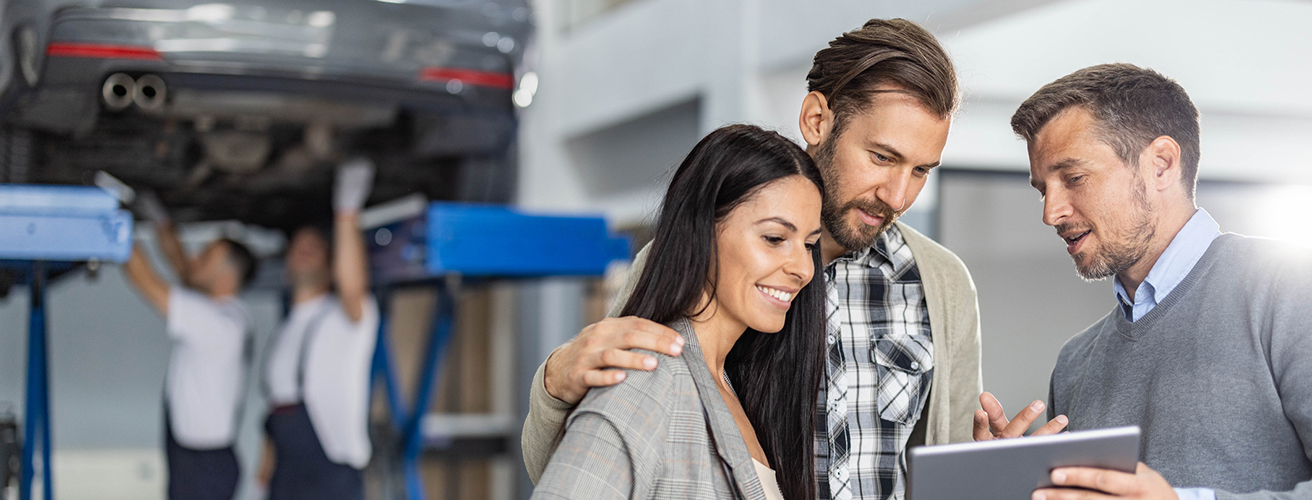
1176 261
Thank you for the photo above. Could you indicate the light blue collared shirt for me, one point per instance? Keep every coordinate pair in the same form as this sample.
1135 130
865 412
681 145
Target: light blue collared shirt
1185 249
1170 269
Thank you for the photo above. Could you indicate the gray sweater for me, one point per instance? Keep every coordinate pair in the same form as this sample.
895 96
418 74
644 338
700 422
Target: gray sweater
1218 375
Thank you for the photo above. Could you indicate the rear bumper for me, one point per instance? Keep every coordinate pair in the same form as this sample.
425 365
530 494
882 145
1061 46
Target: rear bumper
69 97
330 63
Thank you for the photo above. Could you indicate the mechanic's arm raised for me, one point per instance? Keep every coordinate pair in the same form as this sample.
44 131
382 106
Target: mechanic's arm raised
149 207
350 264
147 283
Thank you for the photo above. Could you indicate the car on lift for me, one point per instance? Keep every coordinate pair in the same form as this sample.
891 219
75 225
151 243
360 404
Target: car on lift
240 110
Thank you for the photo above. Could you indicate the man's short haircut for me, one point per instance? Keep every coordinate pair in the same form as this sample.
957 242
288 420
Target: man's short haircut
893 52
1132 106
242 259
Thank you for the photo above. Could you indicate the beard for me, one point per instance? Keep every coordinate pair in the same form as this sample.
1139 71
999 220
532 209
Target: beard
1114 257
834 212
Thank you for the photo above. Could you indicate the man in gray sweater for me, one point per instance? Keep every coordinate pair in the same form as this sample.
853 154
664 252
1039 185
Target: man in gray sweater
1209 349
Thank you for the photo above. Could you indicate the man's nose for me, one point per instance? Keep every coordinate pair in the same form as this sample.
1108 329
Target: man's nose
1055 207
893 192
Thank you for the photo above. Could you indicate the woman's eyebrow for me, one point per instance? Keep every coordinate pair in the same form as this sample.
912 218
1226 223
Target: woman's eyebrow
780 221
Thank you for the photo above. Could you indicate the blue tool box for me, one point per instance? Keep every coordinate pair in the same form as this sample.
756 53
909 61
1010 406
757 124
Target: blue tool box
62 223
492 241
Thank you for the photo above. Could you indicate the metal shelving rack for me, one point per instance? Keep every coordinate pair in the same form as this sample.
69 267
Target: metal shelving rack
444 247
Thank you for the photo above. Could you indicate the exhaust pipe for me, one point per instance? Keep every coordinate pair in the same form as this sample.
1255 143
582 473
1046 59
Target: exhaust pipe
118 90
150 92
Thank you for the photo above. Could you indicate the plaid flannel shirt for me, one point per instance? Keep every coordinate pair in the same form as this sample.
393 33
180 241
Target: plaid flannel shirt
879 320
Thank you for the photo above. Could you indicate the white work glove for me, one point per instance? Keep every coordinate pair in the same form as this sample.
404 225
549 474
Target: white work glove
355 178
148 206
114 187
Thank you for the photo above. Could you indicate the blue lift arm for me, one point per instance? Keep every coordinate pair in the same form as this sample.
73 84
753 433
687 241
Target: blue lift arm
453 241
45 229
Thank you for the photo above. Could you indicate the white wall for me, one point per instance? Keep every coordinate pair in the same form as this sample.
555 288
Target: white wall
742 60
1244 62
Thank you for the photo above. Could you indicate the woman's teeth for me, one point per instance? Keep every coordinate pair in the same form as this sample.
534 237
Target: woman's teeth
778 294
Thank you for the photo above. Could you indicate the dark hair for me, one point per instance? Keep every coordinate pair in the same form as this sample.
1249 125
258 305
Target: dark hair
776 375
893 52
1132 106
242 259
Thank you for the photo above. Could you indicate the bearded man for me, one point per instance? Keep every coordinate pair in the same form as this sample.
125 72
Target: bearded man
1207 349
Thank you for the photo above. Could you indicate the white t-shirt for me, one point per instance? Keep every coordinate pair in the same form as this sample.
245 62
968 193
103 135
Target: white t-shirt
282 374
207 367
336 374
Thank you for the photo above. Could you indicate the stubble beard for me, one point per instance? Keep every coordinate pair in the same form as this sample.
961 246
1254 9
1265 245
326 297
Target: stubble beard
1116 257
834 212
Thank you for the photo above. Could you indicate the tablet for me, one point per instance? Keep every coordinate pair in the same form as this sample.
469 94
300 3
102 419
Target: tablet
1010 469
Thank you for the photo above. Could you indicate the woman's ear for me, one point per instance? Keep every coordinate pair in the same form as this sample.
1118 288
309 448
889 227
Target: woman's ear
816 120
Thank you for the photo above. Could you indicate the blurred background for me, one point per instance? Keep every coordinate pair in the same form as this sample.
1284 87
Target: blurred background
234 111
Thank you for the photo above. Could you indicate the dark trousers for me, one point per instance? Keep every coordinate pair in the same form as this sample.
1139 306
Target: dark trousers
199 474
302 469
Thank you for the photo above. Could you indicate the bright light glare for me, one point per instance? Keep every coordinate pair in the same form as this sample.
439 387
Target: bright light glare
521 98
210 12
1283 214
529 82
321 19
528 87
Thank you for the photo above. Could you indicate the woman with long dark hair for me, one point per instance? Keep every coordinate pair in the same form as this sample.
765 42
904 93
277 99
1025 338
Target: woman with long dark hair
732 269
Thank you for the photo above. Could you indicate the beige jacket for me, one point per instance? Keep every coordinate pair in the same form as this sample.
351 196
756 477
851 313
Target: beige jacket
954 327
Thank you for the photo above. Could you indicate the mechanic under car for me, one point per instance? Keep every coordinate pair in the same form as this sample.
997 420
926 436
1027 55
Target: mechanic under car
317 377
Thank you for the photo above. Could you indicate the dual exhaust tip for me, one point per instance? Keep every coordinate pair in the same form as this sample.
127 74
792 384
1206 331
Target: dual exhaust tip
120 91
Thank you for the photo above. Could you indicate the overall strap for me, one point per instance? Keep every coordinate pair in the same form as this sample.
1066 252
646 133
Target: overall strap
311 328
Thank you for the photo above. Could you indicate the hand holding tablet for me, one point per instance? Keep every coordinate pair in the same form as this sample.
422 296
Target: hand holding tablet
1011 469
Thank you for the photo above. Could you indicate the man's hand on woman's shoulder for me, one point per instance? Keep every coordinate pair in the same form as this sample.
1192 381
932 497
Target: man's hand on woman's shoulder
598 356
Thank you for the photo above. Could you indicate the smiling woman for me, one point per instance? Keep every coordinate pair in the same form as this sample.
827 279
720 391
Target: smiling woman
732 269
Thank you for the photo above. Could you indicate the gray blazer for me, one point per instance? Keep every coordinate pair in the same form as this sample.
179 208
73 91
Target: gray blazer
661 434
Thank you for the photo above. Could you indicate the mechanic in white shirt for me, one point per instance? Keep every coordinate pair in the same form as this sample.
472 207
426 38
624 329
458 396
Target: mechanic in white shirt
210 330
317 377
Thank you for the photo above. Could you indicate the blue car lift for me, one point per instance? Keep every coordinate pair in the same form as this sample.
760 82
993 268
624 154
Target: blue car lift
46 231
450 242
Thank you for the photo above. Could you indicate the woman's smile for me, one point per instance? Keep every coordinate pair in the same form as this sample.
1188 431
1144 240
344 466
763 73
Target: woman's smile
779 297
